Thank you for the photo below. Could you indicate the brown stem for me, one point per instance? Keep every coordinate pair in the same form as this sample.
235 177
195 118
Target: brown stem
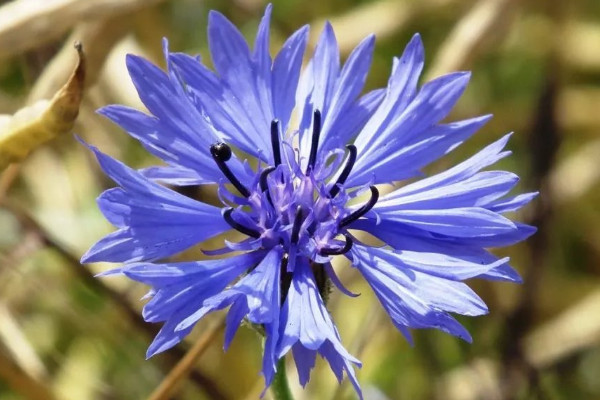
183 367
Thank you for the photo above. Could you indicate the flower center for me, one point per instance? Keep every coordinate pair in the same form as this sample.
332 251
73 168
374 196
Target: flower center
296 209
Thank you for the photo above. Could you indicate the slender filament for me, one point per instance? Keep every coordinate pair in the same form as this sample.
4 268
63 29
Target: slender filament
314 146
363 210
221 153
237 226
335 189
334 251
275 142
296 227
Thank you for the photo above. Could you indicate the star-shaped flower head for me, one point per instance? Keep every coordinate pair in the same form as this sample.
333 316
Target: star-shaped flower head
294 207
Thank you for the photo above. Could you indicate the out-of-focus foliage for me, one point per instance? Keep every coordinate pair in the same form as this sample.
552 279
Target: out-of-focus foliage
536 67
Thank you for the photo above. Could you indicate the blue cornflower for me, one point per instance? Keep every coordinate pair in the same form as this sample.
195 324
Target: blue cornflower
295 206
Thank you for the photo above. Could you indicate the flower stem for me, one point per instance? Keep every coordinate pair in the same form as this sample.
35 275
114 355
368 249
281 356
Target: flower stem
280 387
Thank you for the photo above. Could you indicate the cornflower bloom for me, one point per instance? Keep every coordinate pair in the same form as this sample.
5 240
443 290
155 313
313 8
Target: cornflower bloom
295 207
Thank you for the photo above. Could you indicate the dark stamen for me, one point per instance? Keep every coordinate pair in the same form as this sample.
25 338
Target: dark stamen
363 210
335 189
339 250
263 178
296 227
237 226
275 142
264 187
286 278
314 146
222 153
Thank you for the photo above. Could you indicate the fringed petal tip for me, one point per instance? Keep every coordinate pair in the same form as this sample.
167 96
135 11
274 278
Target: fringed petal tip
110 272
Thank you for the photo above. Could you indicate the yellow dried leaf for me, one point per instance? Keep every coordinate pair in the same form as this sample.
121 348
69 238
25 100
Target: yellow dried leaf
32 126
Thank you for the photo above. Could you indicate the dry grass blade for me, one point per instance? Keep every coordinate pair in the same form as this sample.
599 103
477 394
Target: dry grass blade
21 382
546 346
32 126
574 176
14 340
369 328
24 24
382 18
488 18
578 107
556 339
166 388
579 38
477 380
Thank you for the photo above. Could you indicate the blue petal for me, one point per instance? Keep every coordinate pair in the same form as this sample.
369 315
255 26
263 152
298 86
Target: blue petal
167 337
340 364
183 221
305 321
159 275
259 290
325 70
413 299
176 285
236 314
168 300
180 129
113 203
305 360
261 56
455 222
410 239
269 364
424 148
231 57
286 72
168 147
174 175
318 85
376 148
348 86
224 109
477 191
512 203
352 118
433 278
464 170
501 239
401 88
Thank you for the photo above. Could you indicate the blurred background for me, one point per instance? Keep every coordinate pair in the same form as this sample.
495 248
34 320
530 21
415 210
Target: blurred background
536 66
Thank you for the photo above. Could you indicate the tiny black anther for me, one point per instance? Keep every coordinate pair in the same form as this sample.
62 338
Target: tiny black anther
363 210
335 189
314 145
338 250
237 226
296 227
275 142
221 151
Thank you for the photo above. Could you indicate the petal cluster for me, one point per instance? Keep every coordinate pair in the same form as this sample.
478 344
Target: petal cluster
297 207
